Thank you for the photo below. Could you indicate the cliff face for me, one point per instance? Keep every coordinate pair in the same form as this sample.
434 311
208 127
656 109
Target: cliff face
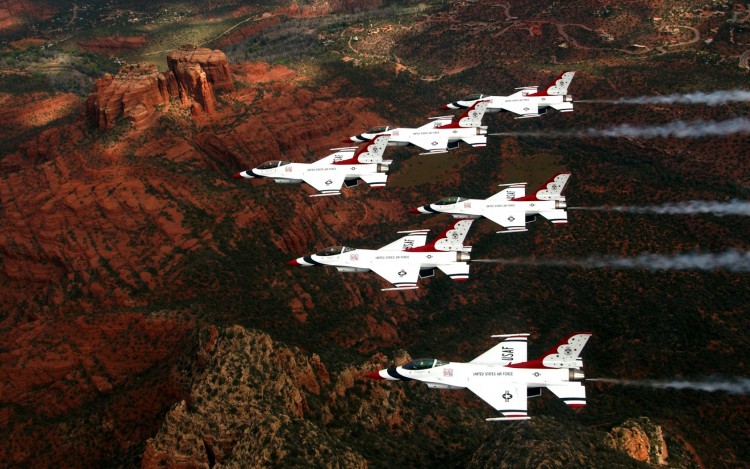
134 93
138 90
212 62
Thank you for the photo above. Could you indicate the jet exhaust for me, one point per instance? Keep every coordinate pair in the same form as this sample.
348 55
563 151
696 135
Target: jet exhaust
676 129
732 207
739 386
731 260
713 98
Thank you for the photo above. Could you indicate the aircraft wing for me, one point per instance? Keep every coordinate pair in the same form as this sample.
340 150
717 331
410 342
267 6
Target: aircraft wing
325 181
509 398
402 274
433 143
511 220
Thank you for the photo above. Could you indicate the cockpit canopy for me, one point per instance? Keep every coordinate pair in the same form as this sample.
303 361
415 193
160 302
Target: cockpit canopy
378 130
424 364
273 164
473 97
334 250
450 200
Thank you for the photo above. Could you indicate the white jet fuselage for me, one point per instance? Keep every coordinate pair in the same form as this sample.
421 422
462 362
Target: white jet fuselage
522 104
463 375
364 260
494 209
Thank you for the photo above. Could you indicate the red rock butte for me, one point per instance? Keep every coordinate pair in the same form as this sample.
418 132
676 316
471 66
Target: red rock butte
137 89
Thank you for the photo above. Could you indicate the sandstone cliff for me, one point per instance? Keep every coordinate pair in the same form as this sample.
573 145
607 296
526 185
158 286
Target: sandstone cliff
139 91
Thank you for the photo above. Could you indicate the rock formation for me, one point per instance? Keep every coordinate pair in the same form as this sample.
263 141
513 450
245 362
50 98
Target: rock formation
212 62
137 91
248 410
641 439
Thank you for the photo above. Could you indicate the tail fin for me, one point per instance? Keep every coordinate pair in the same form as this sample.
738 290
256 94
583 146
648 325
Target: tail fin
415 239
369 152
471 117
550 190
559 87
451 239
563 355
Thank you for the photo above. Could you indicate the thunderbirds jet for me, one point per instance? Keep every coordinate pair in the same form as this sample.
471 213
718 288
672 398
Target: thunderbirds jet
405 260
528 102
439 135
511 208
503 377
327 175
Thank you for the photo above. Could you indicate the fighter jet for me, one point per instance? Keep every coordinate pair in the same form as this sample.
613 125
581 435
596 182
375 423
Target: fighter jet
405 260
326 175
528 102
438 136
503 377
511 207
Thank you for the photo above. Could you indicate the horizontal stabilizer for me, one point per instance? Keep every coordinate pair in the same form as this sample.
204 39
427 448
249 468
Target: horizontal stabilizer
457 271
572 395
558 217
506 419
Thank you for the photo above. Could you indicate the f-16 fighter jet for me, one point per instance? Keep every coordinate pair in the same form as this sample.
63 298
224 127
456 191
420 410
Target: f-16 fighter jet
503 377
405 260
528 102
511 208
327 175
439 135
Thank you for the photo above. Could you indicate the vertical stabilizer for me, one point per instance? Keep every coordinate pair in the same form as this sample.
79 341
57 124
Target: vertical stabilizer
451 239
559 87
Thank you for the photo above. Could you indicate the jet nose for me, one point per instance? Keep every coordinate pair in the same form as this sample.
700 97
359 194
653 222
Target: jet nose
374 375
419 210
243 175
445 106
294 262
237 175
348 140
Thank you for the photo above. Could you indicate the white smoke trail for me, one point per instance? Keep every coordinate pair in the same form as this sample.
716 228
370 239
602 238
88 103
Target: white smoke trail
713 98
692 207
732 260
676 129
734 386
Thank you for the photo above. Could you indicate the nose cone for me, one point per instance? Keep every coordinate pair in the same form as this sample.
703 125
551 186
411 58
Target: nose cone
349 140
422 209
445 106
374 375
243 175
294 262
